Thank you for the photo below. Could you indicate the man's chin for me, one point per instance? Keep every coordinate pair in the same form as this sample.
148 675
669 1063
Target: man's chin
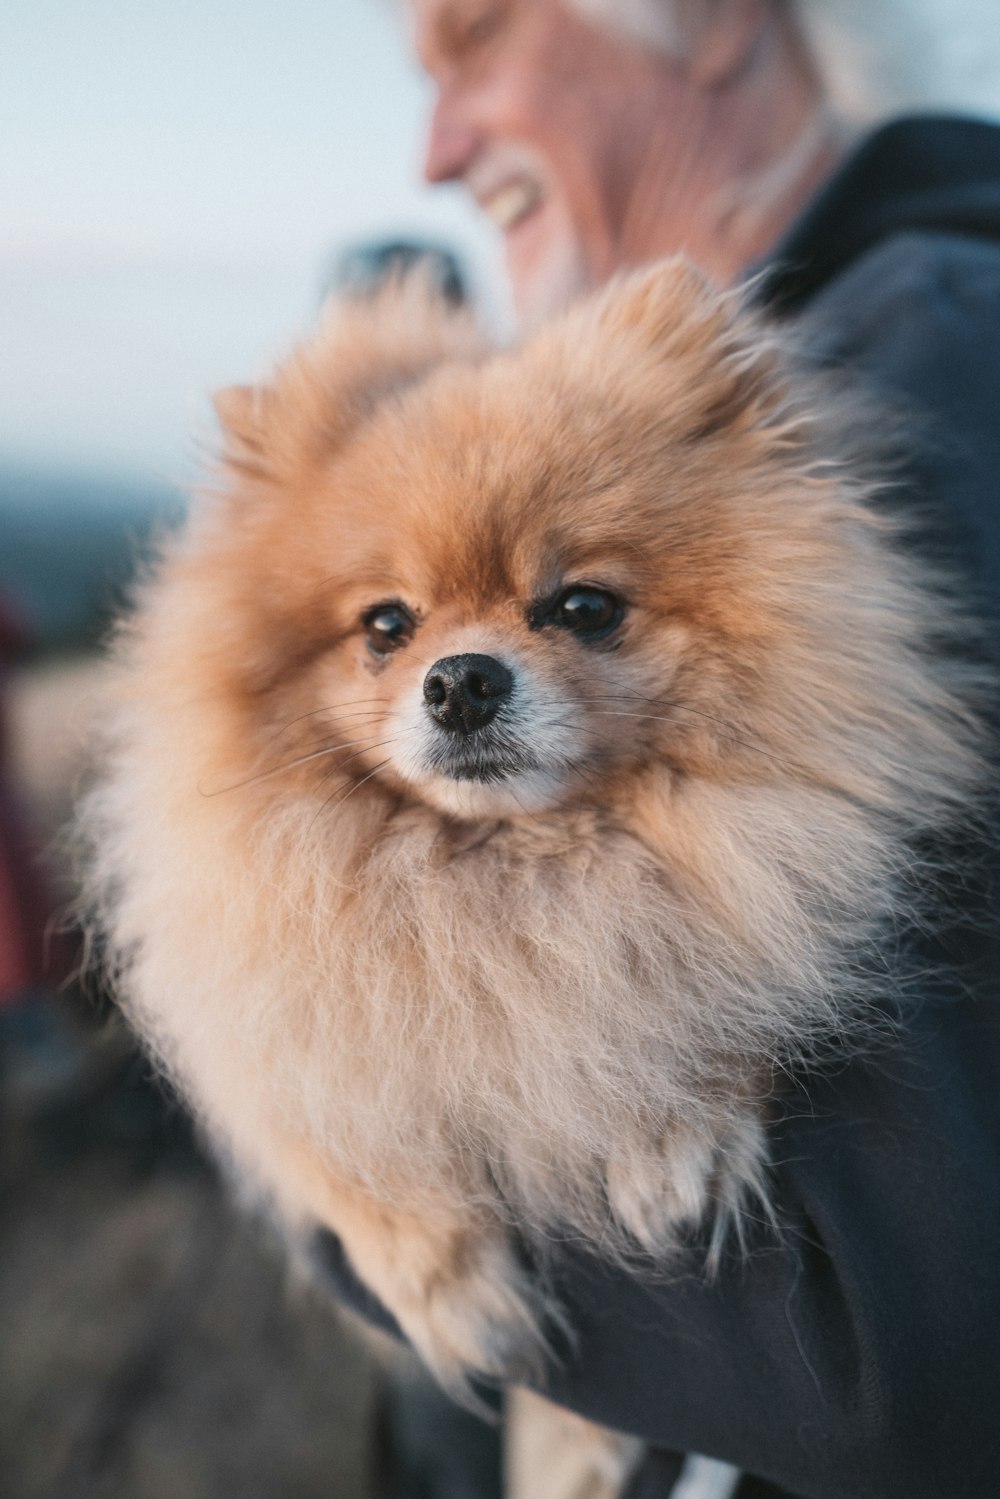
547 272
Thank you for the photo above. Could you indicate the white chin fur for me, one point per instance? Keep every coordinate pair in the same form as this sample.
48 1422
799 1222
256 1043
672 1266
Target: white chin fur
532 791
532 727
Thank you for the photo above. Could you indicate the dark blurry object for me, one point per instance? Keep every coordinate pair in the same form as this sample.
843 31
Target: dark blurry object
427 1447
364 269
45 1061
71 542
23 903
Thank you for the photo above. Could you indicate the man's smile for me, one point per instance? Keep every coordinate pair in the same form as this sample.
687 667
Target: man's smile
511 202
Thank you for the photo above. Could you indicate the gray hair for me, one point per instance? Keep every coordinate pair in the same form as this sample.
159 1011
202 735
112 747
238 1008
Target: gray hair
874 57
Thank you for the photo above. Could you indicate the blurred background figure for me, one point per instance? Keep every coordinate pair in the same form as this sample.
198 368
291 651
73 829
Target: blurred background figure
602 134
21 906
363 269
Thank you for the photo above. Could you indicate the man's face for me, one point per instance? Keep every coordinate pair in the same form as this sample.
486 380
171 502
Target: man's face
578 143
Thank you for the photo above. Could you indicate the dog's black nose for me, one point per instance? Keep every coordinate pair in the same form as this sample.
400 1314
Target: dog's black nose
463 693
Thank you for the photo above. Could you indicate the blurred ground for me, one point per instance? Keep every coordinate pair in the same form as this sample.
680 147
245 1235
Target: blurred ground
50 705
154 1345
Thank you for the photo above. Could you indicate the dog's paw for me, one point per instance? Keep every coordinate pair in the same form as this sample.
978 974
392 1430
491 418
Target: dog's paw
449 1275
653 1191
476 1313
657 1186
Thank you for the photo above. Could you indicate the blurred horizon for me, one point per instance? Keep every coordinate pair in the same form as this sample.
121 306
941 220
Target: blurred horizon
178 183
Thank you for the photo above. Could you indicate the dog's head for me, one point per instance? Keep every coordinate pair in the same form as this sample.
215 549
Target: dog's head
498 583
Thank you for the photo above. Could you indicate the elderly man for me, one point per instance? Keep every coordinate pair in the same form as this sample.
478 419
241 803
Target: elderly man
593 150
701 126
860 1355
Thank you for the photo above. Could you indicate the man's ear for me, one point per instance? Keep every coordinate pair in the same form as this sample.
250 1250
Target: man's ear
366 350
718 36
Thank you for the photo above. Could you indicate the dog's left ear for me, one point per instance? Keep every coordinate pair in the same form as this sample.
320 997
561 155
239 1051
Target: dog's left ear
242 415
367 350
729 368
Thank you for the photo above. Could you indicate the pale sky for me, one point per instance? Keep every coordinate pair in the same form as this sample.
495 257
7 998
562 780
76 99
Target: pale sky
175 178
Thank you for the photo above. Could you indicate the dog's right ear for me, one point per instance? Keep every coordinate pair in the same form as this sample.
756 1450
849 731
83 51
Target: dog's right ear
366 352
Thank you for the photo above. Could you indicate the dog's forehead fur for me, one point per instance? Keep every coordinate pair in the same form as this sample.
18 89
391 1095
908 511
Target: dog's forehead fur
501 482
623 446
471 494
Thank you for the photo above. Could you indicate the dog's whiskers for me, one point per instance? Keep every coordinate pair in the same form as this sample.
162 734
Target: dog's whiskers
351 702
664 702
338 765
318 754
351 790
731 731
334 708
365 747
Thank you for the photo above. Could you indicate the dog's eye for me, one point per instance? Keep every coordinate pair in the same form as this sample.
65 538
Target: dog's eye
388 626
587 611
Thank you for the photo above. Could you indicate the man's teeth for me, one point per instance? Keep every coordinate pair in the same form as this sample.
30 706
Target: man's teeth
513 202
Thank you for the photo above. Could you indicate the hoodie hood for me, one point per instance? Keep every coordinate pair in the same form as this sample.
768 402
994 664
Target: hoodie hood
932 172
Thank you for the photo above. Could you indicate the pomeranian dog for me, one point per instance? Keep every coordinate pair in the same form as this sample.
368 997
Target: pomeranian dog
514 765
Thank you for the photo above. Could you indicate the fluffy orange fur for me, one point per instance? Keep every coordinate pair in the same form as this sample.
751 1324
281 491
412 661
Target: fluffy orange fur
422 1009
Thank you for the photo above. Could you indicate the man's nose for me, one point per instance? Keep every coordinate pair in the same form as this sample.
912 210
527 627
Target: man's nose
451 145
